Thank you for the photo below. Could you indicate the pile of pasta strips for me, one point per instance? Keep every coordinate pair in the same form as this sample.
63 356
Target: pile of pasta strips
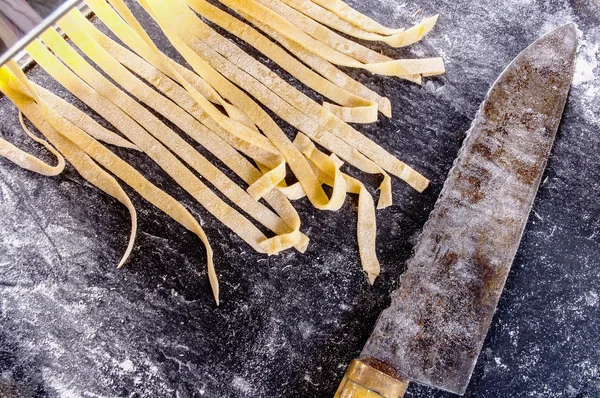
207 103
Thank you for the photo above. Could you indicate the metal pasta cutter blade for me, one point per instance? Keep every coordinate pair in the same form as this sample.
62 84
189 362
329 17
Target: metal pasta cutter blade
20 24
435 327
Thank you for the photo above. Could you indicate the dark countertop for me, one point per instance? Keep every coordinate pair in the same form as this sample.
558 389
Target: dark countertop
72 325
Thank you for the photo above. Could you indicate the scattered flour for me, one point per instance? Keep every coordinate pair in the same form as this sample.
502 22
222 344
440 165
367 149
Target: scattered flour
587 62
498 361
127 365
591 299
586 89
242 385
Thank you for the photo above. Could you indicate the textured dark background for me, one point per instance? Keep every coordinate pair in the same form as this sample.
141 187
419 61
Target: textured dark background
44 7
71 325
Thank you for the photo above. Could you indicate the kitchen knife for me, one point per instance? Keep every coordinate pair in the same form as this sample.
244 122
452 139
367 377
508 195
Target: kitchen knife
435 327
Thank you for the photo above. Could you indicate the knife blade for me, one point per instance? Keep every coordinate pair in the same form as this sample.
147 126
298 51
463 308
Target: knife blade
435 327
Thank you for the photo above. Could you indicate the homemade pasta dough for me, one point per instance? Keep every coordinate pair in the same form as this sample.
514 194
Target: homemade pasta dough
218 104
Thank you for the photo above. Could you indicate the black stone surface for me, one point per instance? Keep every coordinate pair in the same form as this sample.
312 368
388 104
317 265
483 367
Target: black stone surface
71 325
44 7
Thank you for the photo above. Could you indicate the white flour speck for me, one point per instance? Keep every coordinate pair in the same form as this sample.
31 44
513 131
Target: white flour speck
126 365
241 385
591 299
585 88
586 63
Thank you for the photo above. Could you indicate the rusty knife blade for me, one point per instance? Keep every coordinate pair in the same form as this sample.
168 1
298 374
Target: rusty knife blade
436 325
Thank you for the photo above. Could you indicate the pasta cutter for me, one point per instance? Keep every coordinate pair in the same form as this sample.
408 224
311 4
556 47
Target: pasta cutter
20 23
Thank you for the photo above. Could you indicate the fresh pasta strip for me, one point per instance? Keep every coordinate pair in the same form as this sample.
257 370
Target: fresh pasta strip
72 24
354 109
294 191
140 137
297 162
201 134
327 165
344 11
359 114
399 68
311 110
366 228
323 34
84 165
140 42
82 120
334 21
117 166
400 39
28 161
328 70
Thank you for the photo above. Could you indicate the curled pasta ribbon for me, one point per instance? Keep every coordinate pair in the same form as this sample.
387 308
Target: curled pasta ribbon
366 228
30 162
353 108
328 166
324 16
347 13
399 68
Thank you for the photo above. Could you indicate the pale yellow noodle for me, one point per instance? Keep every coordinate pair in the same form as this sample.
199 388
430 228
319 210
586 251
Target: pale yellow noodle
344 11
334 21
30 162
366 228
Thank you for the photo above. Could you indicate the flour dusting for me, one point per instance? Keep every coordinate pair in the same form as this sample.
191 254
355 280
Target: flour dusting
586 64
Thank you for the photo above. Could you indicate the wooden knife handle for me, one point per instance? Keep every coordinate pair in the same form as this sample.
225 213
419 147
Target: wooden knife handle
364 381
